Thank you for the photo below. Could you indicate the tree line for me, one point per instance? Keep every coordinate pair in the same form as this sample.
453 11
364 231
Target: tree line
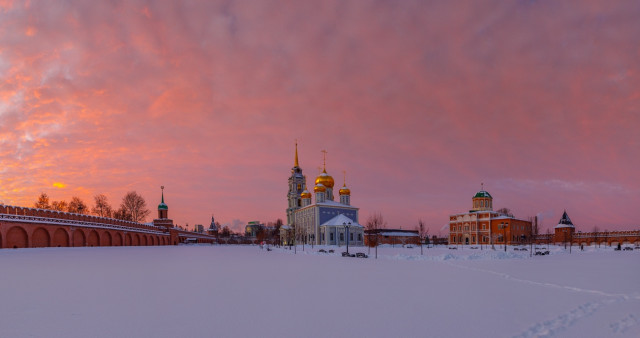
133 207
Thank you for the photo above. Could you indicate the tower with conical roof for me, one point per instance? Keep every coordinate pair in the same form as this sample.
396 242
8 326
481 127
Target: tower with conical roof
297 185
564 230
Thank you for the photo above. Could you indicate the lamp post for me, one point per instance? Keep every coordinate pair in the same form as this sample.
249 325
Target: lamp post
346 233
504 236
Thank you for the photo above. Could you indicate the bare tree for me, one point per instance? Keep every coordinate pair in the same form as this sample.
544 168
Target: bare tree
59 206
42 202
505 211
134 206
422 233
121 214
374 223
102 207
77 206
595 235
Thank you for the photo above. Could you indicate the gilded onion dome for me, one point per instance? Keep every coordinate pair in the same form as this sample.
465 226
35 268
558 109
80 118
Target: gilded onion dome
325 179
319 188
344 190
305 194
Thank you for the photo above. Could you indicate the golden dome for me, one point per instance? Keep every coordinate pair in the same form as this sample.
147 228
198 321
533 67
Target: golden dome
325 179
319 188
344 191
305 194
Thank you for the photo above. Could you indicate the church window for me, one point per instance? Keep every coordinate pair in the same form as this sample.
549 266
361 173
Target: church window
453 239
331 236
299 187
351 236
323 237
341 237
359 237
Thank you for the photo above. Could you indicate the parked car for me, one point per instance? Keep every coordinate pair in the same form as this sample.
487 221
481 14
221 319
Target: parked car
322 250
628 248
361 255
346 254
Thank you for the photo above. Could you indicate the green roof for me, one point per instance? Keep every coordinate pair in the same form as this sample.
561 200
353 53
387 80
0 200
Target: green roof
162 206
482 193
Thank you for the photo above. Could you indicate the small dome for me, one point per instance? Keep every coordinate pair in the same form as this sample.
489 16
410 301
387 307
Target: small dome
344 191
305 194
319 188
162 206
325 179
482 194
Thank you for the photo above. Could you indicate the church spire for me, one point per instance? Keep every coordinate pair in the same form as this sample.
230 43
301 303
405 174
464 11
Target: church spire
295 163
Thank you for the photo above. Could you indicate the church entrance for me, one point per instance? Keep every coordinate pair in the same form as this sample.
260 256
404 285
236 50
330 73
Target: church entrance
466 240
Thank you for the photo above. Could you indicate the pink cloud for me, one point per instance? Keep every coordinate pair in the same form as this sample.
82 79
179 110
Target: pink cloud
419 102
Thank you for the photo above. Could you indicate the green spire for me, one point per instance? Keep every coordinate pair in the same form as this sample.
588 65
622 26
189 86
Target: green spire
162 205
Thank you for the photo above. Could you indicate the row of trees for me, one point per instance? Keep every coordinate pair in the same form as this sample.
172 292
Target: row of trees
133 207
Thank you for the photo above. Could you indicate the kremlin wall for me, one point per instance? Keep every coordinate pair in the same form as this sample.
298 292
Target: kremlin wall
33 228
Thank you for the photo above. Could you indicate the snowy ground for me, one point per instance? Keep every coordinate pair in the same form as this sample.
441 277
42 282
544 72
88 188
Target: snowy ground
244 291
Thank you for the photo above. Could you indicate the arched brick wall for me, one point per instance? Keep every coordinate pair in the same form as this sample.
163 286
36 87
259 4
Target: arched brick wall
17 238
40 238
152 240
78 238
93 239
136 240
60 238
0 241
117 239
105 239
128 241
143 240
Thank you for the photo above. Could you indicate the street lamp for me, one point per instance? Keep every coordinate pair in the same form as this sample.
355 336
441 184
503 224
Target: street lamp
346 233
504 236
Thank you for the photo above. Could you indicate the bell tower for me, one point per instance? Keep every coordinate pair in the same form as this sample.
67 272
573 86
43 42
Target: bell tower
297 184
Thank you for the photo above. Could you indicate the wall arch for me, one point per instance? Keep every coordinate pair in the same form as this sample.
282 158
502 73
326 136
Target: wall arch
40 238
93 239
105 239
143 240
136 240
152 240
128 240
117 239
60 238
17 238
78 238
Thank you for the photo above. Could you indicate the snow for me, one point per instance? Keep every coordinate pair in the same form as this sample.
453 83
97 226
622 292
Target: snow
340 220
246 291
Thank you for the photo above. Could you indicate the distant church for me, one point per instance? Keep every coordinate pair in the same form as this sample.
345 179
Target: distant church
325 222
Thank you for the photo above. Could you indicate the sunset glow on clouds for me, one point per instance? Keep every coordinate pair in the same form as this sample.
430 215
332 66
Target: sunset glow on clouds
418 101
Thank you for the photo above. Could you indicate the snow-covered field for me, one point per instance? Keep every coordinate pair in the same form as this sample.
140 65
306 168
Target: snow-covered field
245 291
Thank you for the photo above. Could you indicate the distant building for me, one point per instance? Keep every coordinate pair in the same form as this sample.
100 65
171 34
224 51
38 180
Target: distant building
253 228
213 228
482 225
198 228
391 236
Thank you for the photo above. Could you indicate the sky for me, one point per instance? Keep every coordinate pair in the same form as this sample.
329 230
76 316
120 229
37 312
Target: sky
420 102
